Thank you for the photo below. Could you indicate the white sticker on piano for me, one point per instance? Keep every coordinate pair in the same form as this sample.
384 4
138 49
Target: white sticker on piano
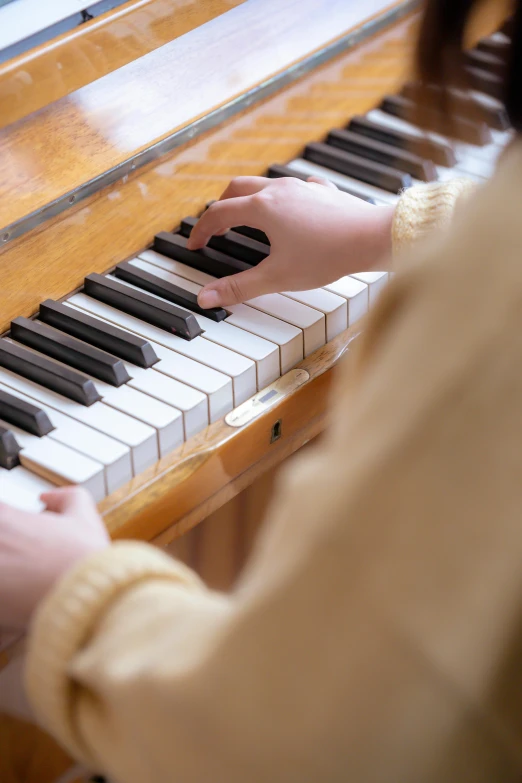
356 294
376 282
22 489
287 337
214 385
114 455
333 307
265 354
138 436
239 368
58 463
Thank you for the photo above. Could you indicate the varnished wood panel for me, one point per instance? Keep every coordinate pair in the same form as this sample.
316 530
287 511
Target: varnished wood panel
123 218
87 133
57 68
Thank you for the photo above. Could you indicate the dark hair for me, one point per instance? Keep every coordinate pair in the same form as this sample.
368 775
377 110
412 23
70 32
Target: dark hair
441 43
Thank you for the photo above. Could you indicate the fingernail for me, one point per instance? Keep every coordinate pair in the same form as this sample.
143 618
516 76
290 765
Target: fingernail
208 299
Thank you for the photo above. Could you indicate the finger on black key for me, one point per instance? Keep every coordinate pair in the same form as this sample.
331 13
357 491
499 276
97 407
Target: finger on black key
172 293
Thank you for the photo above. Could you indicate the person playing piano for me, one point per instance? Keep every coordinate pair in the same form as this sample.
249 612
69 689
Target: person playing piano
375 633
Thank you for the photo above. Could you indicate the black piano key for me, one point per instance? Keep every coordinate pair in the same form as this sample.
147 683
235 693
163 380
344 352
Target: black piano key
440 154
236 245
486 62
486 82
24 415
70 351
169 291
9 449
383 153
354 166
276 171
91 330
153 311
253 233
459 128
38 368
457 104
206 260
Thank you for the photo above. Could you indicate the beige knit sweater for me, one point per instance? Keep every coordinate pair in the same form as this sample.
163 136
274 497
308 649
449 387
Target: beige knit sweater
375 634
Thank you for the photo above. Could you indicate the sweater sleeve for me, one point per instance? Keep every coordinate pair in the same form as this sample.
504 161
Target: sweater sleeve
374 634
424 209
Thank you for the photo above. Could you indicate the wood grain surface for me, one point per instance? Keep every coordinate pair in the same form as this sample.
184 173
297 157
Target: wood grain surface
122 219
79 137
78 57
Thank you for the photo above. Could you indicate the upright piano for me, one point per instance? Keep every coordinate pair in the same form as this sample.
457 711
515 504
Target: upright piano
119 124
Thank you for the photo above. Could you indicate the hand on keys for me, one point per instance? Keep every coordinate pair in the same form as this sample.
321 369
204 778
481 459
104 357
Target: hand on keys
317 235
36 549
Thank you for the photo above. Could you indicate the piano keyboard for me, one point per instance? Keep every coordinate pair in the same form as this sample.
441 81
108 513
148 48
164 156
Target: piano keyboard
97 388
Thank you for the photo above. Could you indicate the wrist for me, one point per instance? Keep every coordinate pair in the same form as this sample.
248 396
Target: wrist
380 238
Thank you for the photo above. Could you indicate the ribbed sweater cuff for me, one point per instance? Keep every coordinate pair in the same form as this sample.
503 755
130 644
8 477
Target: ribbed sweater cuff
63 623
426 208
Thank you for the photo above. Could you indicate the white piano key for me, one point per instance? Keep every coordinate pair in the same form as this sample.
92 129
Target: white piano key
191 402
215 386
311 322
262 352
114 455
288 338
226 335
333 307
343 181
165 418
239 368
22 489
138 436
58 463
376 282
356 294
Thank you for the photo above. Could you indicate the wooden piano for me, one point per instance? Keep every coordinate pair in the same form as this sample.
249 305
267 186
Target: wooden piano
116 130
